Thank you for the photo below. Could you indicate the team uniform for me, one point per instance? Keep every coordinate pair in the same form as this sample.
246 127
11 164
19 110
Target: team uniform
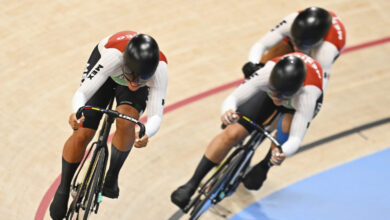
305 103
326 52
103 78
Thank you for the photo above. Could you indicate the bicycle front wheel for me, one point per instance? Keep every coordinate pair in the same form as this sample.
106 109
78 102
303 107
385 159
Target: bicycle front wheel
215 191
94 192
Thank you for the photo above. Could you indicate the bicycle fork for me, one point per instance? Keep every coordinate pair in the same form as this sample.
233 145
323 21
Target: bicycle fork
233 183
99 197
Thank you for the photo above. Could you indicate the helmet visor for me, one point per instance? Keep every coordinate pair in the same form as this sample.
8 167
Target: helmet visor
131 77
304 45
280 95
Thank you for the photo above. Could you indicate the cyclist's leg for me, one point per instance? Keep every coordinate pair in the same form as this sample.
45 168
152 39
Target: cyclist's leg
132 104
216 151
75 146
220 146
255 178
258 174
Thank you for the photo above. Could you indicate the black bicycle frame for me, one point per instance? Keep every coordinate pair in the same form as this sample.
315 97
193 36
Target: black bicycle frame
241 157
100 143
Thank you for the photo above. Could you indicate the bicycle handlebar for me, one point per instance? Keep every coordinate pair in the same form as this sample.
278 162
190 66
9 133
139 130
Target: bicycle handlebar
260 129
113 114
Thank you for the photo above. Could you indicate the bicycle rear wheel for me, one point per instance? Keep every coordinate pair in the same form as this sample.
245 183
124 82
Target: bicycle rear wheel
93 194
214 192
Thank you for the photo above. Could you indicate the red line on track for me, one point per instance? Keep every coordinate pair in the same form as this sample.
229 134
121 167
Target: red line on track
367 44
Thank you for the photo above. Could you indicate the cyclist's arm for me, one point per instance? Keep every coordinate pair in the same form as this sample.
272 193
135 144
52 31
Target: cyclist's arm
270 39
258 82
98 75
304 104
158 87
326 54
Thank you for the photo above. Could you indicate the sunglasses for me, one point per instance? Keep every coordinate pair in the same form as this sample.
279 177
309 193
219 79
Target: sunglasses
129 76
306 47
280 95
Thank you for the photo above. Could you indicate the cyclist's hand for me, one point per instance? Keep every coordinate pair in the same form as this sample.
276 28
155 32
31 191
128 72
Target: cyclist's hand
248 69
277 158
229 117
141 142
74 122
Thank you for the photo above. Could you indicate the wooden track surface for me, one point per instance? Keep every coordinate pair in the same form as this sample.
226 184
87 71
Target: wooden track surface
45 46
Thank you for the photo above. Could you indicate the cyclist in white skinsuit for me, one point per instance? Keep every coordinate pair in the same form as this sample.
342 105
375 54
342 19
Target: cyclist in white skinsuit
292 84
130 67
325 51
314 31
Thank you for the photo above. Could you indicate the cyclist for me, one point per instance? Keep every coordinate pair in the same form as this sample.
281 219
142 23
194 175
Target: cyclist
291 84
314 31
130 67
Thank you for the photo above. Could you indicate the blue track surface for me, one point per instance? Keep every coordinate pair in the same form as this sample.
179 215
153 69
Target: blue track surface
356 190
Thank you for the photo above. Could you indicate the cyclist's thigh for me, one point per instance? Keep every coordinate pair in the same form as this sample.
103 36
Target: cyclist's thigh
235 132
137 99
258 108
100 99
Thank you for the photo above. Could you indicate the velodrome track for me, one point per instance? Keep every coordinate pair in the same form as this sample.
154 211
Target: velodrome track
254 209
46 44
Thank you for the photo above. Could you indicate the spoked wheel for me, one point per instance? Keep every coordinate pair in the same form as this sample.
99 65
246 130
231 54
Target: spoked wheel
94 196
213 191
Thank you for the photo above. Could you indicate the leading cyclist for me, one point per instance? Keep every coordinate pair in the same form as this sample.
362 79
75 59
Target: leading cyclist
130 67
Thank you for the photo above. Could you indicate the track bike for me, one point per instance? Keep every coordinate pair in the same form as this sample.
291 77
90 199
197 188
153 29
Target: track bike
87 194
229 173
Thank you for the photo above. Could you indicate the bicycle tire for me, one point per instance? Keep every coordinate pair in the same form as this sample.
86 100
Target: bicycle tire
81 190
213 195
202 205
194 203
226 182
92 193
71 211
